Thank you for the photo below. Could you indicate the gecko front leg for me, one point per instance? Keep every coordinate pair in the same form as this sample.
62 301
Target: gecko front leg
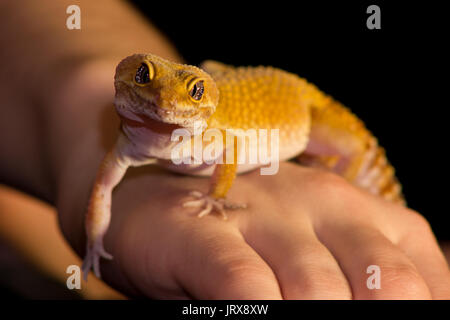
110 173
221 181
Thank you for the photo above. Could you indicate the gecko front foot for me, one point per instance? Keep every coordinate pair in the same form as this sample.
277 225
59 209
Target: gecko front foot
92 259
209 203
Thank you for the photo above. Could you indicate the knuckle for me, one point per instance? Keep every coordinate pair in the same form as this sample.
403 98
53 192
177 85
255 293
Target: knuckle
311 276
242 271
418 222
322 283
330 183
402 281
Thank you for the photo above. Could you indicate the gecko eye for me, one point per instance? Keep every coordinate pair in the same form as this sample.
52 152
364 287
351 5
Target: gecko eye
144 74
196 90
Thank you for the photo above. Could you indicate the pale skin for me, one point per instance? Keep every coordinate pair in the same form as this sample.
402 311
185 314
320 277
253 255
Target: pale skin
317 244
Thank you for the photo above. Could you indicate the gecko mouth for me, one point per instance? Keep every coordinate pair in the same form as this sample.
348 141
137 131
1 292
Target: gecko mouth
135 110
185 117
130 104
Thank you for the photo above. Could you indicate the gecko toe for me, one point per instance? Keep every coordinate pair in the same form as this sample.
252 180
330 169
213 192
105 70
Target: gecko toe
194 203
234 206
86 267
105 254
209 204
96 264
206 211
92 259
196 194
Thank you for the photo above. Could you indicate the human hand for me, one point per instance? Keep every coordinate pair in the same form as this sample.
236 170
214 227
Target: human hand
307 234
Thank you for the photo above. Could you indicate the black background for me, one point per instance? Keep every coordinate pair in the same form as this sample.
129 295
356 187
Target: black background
388 77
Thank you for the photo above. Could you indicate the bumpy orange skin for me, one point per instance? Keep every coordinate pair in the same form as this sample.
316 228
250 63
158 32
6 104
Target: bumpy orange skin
266 97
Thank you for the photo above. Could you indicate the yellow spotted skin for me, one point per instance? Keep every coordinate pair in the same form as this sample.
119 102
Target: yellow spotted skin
254 97
321 131
313 128
258 98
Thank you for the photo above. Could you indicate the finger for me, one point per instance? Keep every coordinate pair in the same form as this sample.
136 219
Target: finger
218 264
304 267
359 248
422 248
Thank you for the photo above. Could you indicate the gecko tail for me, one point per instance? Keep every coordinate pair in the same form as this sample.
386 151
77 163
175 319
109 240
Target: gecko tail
374 173
339 141
377 176
365 166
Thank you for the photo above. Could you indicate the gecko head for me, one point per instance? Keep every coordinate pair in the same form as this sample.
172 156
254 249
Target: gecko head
148 86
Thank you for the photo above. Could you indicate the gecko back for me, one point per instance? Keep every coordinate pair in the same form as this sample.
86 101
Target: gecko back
314 128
